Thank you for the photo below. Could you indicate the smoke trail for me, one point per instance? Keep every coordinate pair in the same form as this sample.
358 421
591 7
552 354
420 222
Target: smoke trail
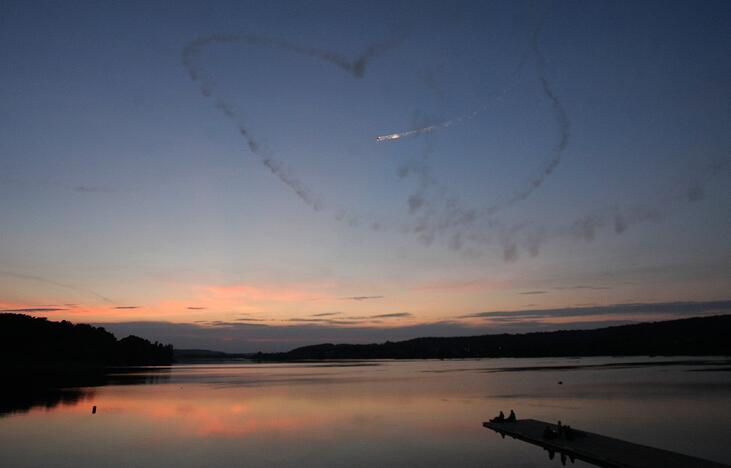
40 279
460 221
556 154
564 133
446 123
421 170
489 101
618 219
691 189
437 214
355 67
437 211
560 115
280 171
442 214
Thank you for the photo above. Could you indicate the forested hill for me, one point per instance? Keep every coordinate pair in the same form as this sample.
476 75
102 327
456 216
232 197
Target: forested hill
693 336
33 341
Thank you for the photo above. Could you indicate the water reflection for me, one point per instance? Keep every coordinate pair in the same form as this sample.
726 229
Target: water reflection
418 413
22 400
22 392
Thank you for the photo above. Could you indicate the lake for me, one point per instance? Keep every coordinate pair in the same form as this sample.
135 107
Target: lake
367 413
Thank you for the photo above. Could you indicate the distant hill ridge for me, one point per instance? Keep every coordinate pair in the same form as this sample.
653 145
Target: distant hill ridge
693 336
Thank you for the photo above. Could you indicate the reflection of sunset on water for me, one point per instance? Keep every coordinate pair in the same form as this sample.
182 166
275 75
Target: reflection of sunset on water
390 413
197 412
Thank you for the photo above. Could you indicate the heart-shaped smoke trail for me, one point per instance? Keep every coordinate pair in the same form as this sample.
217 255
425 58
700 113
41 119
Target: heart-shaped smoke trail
441 213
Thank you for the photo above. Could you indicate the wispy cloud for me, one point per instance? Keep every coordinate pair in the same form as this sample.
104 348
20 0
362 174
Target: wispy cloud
126 307
380 316
530 293
581 286
326 314
638 309
40 279
90 189
393 315
323 321
361 298
213 323
195 308
31 310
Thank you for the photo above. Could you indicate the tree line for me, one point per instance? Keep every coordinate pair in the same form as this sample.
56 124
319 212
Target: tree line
693 336
27 340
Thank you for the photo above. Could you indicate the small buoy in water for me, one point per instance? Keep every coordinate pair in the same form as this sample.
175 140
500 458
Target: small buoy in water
560 382
93 409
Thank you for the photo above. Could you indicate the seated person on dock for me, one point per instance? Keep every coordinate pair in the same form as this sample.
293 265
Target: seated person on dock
499 418
559 429
511 417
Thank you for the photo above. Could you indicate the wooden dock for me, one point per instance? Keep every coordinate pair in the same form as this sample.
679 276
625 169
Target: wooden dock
596 449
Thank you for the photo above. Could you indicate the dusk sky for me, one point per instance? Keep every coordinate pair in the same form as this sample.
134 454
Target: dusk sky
210 173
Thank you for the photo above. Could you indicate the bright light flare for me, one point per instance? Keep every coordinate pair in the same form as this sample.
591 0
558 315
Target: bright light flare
393 136
398 136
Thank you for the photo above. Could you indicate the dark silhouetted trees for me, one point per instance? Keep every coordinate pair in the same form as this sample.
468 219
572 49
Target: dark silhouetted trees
32 341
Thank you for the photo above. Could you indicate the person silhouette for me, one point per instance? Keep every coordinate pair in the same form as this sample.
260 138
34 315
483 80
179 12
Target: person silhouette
511 417
499 418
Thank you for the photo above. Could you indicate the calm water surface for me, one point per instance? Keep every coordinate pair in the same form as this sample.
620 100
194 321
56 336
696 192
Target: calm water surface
384 413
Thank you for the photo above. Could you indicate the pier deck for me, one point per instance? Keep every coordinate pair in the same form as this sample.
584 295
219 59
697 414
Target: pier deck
597 449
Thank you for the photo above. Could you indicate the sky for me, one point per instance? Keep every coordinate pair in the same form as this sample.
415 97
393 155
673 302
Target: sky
263 175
